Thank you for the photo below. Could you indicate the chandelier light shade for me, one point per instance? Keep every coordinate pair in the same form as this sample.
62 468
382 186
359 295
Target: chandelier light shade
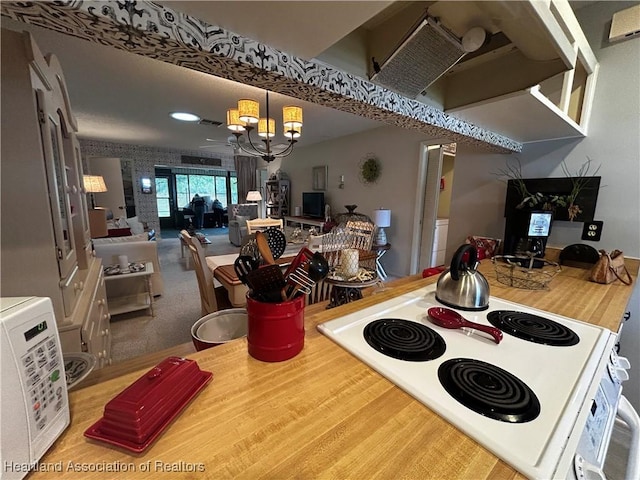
233 120
382 219
254 196
244 119
94 184
267 130
248 110
291 116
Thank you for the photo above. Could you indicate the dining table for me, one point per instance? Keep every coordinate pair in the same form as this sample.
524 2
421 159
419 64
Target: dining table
223 271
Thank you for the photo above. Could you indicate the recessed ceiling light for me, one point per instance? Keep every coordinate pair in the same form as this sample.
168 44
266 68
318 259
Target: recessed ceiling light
185 116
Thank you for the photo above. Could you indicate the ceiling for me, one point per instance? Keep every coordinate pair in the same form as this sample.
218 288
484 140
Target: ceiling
126 98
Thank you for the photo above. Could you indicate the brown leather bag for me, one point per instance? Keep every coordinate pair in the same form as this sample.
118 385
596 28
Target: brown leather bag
609 268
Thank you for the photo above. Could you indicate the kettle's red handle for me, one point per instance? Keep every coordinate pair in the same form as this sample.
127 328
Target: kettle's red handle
456 261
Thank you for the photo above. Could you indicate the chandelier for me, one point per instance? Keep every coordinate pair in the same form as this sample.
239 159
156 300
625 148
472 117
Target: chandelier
247 115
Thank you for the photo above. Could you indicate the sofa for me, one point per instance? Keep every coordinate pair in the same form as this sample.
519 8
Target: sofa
138 248
239 213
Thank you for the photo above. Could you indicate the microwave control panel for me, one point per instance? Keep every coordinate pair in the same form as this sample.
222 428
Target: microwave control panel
44 380
35 406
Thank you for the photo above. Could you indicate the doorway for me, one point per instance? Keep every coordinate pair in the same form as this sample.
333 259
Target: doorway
433 195
165 199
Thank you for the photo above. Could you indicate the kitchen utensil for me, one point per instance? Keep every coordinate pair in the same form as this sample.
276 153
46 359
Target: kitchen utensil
462 286
243 265
301 280
266 280
303 255
264 249
318 267
447 318
277 241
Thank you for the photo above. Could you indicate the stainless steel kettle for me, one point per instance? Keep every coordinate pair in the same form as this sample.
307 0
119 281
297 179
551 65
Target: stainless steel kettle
462 286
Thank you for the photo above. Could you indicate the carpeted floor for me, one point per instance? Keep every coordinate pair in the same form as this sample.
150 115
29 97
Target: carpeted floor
138 333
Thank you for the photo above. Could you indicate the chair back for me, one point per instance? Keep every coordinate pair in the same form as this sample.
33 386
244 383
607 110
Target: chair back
208 302
244 209
320 292
262 223
361 234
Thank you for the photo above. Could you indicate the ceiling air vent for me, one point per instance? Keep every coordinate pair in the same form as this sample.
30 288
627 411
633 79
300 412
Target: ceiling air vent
204 161
424 55
206 121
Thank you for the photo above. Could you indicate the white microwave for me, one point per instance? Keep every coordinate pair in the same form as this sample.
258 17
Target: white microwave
34 407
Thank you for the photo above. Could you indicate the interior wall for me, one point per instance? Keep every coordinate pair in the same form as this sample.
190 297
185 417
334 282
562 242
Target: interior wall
397 150
613 144
143 161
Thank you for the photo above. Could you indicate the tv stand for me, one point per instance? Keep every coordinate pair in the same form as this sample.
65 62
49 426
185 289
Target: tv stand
309 221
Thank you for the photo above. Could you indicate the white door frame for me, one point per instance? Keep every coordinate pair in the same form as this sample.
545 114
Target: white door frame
428 187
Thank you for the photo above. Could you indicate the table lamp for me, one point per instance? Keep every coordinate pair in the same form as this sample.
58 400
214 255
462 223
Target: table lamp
382 219
94 184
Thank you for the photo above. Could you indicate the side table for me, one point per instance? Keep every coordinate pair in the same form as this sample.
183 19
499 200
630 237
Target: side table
134 301
380 251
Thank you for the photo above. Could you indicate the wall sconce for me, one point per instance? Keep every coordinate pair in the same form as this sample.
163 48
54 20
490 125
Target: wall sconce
145 183
341 185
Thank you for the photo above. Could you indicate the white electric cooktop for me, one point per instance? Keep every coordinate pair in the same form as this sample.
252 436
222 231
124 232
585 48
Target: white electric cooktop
559 376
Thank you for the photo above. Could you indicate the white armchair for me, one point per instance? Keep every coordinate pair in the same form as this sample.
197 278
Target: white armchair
239 213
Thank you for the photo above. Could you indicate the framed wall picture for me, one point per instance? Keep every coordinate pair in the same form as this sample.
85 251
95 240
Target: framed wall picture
320 177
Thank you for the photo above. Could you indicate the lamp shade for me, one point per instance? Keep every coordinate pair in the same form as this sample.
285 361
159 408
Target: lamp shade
382 217
94 184
248 110
254 196
267 127
233 120
291 116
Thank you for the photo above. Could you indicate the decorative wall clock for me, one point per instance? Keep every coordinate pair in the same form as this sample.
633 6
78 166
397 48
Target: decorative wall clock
370 169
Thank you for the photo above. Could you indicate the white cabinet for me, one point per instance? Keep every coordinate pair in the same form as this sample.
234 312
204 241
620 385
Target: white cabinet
45 246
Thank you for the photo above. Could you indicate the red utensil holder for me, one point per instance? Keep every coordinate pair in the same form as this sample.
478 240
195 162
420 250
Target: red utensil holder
275 330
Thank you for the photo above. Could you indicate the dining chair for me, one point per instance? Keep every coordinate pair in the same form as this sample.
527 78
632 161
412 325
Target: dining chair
208 301
320 292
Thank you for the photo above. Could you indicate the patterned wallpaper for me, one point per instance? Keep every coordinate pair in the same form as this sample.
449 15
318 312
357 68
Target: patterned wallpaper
158 32
142 161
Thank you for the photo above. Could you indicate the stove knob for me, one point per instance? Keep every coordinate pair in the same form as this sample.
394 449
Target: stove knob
587 471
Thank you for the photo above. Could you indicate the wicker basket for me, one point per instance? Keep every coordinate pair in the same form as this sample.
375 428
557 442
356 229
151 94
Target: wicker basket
512 274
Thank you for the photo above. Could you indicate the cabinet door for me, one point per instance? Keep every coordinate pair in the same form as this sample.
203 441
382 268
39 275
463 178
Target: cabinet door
58 183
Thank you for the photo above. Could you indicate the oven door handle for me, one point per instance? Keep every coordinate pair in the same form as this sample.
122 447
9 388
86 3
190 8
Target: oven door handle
629 416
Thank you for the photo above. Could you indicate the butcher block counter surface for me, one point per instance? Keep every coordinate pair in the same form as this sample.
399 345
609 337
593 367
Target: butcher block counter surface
322 414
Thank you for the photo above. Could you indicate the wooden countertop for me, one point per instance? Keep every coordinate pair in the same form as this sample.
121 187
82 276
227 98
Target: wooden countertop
322 414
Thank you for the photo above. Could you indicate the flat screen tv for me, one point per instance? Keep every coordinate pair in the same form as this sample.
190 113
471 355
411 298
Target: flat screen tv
313 204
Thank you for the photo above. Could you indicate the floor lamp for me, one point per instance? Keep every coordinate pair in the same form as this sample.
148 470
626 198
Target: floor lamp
255 196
